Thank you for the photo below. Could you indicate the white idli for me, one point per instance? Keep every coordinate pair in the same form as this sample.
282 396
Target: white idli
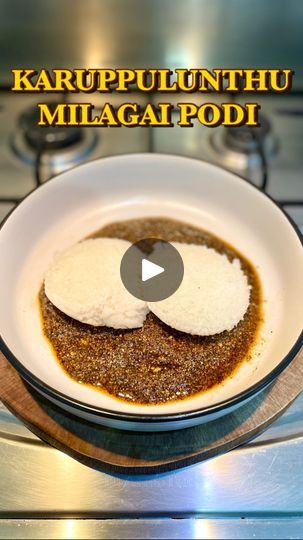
213 296
84 282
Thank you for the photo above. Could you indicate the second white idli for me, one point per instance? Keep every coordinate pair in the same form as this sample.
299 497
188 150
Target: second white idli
213 296
84 282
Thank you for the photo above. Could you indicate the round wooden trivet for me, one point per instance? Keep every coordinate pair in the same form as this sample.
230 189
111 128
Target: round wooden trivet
127 452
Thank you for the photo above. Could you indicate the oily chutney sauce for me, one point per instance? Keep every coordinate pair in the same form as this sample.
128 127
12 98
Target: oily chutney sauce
155 363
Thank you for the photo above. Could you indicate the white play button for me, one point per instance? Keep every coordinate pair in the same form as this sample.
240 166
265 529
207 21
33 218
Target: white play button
150 270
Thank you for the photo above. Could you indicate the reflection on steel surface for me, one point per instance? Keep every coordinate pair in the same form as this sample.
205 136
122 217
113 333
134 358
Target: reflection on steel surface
263 476
144 33
236 528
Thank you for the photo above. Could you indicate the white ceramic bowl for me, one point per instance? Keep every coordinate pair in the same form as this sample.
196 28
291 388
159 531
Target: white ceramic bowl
76 203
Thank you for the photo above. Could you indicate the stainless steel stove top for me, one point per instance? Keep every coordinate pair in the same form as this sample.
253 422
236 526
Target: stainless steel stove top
254 491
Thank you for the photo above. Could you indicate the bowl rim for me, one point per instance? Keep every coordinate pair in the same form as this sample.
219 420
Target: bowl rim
54 394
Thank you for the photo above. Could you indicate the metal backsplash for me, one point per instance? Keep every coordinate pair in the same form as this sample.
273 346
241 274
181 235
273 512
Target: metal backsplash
151 33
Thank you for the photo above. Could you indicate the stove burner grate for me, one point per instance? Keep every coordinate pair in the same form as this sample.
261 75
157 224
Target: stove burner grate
244 148
47 137
52 148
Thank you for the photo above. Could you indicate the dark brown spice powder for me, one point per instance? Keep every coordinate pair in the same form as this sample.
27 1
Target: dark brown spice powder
155 363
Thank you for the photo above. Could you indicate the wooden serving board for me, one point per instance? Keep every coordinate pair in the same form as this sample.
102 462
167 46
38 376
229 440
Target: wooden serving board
146 453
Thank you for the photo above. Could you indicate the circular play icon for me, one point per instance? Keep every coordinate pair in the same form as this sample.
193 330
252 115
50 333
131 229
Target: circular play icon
151 269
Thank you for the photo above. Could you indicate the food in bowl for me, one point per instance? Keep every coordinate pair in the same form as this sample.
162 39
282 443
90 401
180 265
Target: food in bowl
155 363
64 211
84 282
212 297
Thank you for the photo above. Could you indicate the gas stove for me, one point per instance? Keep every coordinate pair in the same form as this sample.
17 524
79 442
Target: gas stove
255 490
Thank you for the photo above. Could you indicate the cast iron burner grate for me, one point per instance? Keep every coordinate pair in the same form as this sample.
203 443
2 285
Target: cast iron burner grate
244 148
54 147
47 137
68 146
